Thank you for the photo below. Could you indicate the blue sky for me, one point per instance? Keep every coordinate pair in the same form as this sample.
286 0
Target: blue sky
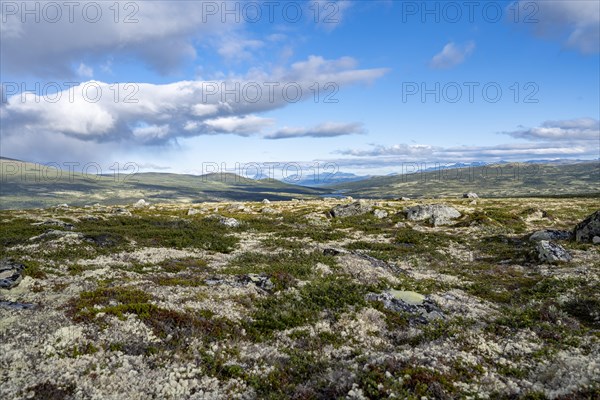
376 55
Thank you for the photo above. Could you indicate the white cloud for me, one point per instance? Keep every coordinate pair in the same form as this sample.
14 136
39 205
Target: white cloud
242 126
327 129
553 139
85 71
157 114
452 55
576 23
162 34
573 129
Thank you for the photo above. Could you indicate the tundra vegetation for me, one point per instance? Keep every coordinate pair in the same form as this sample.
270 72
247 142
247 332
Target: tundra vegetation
171 301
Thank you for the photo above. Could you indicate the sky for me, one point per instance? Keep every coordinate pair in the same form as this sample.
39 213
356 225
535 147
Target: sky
365 87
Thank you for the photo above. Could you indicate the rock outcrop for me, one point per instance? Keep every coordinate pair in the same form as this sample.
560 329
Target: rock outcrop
551 252
421 308
588 228
437 214
550 234
10 274
359 207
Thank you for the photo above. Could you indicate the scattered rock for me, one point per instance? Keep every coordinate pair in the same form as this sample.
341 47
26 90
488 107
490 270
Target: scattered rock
399 225
317 219
229 222
348 210
421 307
141 203
193 211
121 211
470 195
261 281
54 222
10 274
596 240
238 208
58 234
64 205
437 214
473 202
550 234
268 210
381 214
551 252
266 201
104 240
588 228
404 198
11 305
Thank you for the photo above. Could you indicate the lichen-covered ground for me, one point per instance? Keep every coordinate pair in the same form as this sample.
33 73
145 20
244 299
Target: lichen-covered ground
153 303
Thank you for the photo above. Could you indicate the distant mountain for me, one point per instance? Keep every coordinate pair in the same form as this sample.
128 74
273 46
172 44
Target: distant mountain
497 180
324 179
29 185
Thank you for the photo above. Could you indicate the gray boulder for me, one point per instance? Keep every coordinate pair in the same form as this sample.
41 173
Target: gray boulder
229 222
10 274
596 240
141 203
550 234
381 214
421 308
266 201
193 211
551 252
470 195
348 210
588 228
437 214
54 222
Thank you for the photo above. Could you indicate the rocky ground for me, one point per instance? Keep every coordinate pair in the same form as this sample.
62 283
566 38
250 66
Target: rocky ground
437 299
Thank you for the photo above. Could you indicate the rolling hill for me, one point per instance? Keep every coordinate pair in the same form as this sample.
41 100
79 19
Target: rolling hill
502 180
28 185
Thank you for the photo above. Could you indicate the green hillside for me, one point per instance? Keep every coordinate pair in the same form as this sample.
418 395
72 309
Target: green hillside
502 180
28 185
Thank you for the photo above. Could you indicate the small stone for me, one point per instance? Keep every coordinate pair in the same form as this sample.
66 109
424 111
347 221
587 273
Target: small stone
551 252
268 210
550 234
10 274
470 195
412 298
141 203
596 240
122 211
193 211
229 222
348 210
437 214
381 214
404 198
266 201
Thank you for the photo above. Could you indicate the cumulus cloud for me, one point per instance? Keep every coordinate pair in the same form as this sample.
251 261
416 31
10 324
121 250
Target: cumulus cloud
160 33
576 23
513 151
553 139
573 129
452 55
85 71
324 130
147 113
